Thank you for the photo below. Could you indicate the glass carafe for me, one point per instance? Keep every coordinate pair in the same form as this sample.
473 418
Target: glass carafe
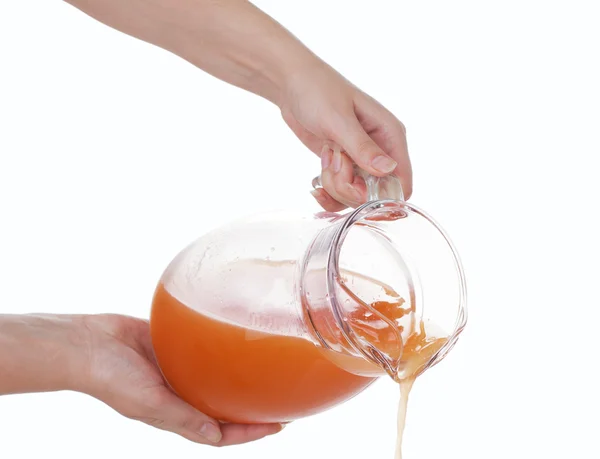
281 316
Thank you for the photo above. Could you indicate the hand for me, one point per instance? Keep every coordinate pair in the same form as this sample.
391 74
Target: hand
122 373
238 43
324 110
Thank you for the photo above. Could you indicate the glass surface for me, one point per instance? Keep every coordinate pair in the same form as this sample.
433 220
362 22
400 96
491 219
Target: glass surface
280 316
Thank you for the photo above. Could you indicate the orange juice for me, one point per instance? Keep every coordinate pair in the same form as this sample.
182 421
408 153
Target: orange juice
236 374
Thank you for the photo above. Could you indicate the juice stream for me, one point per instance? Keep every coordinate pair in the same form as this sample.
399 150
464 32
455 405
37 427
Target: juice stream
421 348
244 375
417 350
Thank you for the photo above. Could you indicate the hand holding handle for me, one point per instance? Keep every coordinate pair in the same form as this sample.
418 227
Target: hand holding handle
378 188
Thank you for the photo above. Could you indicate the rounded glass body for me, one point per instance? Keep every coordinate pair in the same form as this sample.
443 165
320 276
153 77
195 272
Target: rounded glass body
281 316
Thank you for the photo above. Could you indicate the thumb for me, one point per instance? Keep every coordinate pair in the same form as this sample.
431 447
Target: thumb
175 415
350 135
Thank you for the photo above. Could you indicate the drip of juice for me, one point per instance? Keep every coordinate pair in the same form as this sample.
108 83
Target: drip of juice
405 388
420 347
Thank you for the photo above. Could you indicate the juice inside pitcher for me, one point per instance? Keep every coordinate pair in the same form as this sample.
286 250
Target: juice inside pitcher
237 374
247 369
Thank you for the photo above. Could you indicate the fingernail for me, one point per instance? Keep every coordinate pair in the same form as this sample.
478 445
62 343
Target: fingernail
384 164
318 196
211 432
325 158
337 161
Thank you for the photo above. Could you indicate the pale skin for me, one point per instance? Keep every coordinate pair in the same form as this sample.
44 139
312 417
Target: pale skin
110 356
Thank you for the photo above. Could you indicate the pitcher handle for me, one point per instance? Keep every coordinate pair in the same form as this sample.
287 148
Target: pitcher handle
378 188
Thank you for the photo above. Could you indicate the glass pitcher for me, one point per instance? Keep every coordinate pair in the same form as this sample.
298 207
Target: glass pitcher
281 316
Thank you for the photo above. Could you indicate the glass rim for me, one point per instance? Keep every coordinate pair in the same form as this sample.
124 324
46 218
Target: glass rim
333 274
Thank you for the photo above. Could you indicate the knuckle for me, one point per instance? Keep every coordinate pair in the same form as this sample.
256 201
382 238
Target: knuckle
190 424
366 148
343 196
329 131
155 422
334 195
327 183
341 119
338 187
402 127
332 206
156 399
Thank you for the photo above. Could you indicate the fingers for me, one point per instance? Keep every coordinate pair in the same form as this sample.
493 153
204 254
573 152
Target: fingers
326 201
393 139
351 136
236 434
337 180
171 413
341 188
389 133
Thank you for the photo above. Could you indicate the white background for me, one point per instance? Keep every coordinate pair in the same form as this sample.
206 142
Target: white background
115 154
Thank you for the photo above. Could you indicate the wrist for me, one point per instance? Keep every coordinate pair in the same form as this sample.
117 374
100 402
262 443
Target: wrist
42 353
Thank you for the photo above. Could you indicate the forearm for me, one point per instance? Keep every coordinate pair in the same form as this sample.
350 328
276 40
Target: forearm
40 353
230 39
